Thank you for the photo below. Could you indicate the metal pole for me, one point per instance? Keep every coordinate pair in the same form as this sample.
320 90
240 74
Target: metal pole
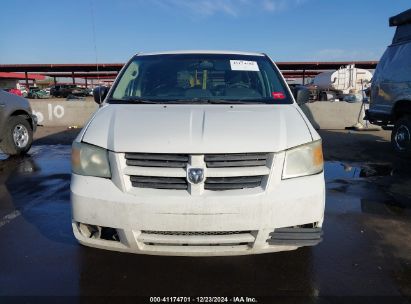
55 80
72 76
27 81
303 77
86 82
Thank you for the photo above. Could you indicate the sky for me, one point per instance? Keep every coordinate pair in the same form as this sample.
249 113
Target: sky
86 31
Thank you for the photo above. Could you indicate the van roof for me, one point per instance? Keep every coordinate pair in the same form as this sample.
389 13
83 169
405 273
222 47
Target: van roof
401 19
201 52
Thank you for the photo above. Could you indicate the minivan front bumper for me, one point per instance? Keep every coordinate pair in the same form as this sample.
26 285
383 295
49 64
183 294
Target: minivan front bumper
287 215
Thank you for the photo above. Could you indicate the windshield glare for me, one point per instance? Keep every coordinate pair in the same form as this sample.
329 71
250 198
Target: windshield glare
198 77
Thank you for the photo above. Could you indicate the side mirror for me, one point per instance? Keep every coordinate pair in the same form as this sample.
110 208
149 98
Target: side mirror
301 95
100 93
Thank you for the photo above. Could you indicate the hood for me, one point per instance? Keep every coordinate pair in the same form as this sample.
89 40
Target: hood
14 102
197 128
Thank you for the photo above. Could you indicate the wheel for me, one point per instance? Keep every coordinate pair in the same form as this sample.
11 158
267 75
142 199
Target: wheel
36 97
17 136
401 136
323 96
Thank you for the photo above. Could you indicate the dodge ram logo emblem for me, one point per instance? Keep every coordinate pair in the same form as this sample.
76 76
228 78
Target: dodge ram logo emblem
195 175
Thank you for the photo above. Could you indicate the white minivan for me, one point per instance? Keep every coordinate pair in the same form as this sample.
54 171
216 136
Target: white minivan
201 153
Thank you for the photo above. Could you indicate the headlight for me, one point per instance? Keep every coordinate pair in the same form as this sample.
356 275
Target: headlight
89 160
303 160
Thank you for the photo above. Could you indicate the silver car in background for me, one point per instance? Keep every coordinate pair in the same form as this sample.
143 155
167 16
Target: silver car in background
390 100
17 124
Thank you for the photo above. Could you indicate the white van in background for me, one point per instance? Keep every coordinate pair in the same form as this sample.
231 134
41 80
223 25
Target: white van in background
198 153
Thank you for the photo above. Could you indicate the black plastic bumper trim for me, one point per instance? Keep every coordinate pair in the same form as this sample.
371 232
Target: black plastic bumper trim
296 237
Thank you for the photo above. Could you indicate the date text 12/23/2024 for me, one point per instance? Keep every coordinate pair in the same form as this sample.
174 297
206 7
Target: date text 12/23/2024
238 299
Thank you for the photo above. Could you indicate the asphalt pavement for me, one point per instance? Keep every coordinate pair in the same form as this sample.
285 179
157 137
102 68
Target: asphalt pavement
365 254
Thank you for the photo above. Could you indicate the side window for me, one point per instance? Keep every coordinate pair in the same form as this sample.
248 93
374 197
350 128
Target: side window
128 85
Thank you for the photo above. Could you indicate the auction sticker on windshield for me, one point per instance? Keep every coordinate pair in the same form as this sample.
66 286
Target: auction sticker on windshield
244 65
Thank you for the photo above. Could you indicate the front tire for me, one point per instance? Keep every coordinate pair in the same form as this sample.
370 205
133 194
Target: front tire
17 136
401 136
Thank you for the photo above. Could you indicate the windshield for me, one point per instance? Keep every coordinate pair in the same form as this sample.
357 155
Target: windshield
195 78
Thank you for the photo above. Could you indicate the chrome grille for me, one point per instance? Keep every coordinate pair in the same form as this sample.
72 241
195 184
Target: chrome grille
232 183
223 171
156 160
159 182
236 160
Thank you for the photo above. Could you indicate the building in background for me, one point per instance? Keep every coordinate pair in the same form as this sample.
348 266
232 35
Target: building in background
12 80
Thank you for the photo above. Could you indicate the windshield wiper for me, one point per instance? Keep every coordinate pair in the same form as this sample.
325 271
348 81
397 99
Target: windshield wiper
214 101
187 101
160 101
138 100
235 101
142 100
